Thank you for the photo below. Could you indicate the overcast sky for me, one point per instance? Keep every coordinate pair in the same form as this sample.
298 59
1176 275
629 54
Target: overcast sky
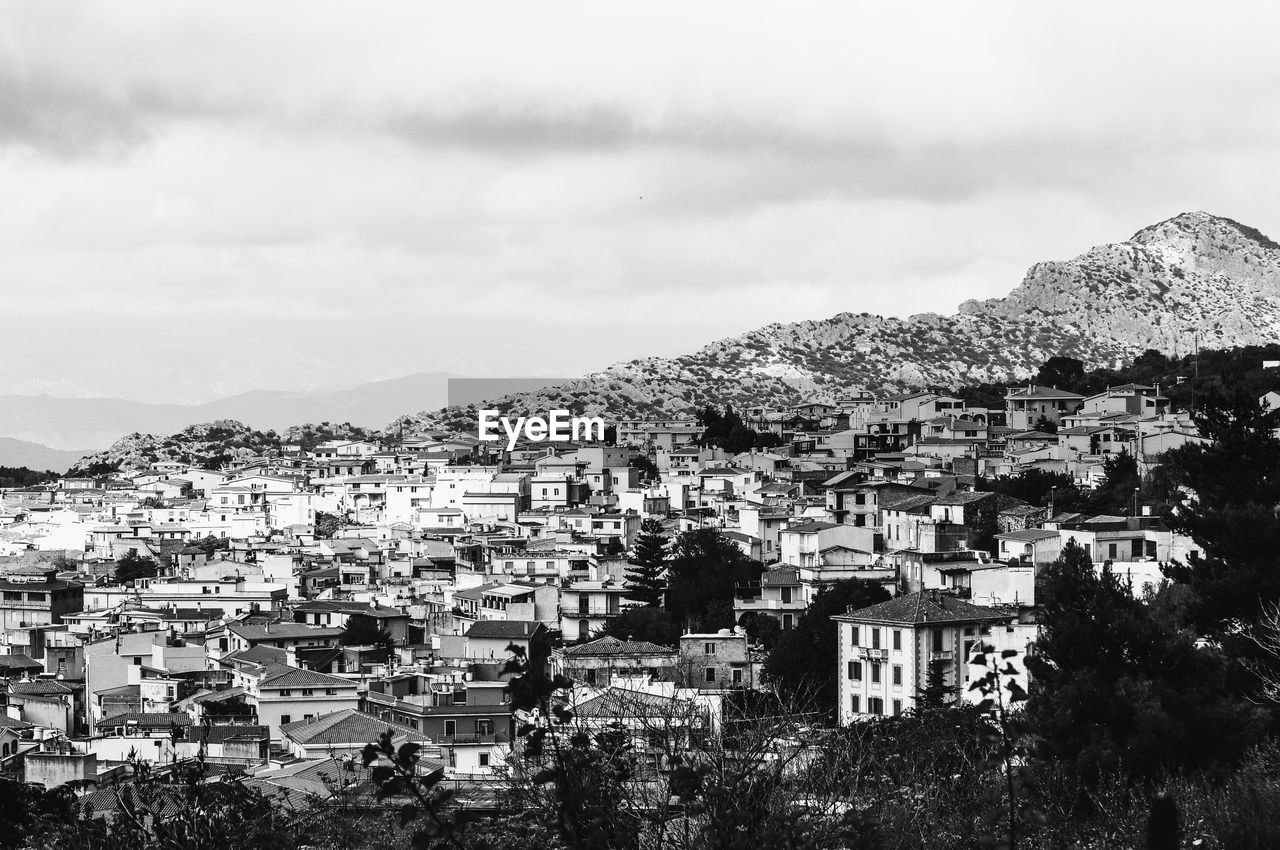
202 199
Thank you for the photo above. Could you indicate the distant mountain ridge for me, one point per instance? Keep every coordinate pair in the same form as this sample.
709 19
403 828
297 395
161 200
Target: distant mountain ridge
16 453
1192 274
75 423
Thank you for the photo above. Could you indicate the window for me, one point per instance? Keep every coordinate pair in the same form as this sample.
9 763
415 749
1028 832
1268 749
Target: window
711 675
937 640
284 718
788 621
875 638
484 759
737 676
897 640
786 595
897 674
484 727
137 661
306 692
1111 550
875 673
450 728
590 676
875 705
855 636
329 692
708 649
855 671
307 716
855 704
897 707
285 692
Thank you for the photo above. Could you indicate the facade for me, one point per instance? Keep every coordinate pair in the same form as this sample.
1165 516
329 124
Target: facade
886 651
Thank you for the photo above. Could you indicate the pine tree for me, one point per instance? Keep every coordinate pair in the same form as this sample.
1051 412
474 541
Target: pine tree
646 580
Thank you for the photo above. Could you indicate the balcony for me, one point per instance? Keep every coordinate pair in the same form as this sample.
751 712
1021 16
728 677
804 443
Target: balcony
592 611
473 739
868 654
941 656
760 604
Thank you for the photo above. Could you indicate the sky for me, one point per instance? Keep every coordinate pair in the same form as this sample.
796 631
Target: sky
202 199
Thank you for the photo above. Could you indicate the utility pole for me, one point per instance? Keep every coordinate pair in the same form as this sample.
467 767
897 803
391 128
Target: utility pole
1195 380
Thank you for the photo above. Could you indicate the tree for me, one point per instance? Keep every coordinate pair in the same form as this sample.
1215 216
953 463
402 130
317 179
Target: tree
1046 425
762 629
1065 373
705 566
935 695
646 578
648 469
1225 498
644 623
363 630
1120 480
134 566
327 524
1114 687
212 544
803 661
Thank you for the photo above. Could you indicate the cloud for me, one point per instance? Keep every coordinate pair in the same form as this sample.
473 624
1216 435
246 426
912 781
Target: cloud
235 197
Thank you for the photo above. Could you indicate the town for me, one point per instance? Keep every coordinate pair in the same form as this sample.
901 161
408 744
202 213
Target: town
275 617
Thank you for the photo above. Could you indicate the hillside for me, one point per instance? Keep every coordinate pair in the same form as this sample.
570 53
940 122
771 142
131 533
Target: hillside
1194 273
209 444
35 456
76 423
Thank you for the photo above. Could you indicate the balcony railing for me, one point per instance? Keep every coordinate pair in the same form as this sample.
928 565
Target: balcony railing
591 611
869 654
491 738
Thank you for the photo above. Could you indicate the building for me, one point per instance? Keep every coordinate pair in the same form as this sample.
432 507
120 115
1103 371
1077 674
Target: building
886 651
597 663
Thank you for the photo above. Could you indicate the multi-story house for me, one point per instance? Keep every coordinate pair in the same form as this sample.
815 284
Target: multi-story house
780 593
585 607
1026 406
887 651
716 661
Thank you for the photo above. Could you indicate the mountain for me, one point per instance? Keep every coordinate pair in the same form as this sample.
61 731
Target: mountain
1194 274
64 423
209 444
35 456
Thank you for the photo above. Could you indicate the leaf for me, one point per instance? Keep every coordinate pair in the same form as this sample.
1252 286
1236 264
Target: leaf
408 753
1009 653
408 812
542 777
391 788
381 774
369 754
525 729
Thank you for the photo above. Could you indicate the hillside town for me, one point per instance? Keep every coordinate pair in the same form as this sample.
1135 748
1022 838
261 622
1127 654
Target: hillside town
282 612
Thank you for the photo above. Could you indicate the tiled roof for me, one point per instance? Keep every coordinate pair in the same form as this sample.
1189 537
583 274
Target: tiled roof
346 727
148 718
260 654
42 686
611 646
910 503
523 629
811 527
282 631
962 497
620 702
284 676
1029 535
924 606
780 577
